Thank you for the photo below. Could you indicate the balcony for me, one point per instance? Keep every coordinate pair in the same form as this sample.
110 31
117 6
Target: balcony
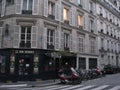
66 48
80 5
101 14
51 16
66 21
92 30
107 33
26 11
50 46
91 11
110 20
80 27
101 30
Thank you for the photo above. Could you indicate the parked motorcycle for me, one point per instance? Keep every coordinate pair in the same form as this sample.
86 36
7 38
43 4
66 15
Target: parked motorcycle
69 75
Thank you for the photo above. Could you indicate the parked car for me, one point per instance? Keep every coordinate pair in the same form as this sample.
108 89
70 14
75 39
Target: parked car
69 75
111 69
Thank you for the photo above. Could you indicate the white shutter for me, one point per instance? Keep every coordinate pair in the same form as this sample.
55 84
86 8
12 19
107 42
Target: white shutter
17 33
77 43
62 40
34 31
18 8
35 7
71 17
84 22
62 13
76 18
1 29
99 43
3 7
44 38
71 43
57 12
56 40
45 8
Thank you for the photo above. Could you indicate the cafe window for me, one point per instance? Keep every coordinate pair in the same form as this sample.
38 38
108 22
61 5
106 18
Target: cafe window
2 64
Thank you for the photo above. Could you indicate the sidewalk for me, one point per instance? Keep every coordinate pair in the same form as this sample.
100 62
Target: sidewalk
40 83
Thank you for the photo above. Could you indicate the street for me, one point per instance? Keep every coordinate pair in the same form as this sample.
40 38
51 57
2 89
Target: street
109 82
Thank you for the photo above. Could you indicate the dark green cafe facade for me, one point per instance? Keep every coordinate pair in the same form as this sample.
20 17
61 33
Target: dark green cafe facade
33 64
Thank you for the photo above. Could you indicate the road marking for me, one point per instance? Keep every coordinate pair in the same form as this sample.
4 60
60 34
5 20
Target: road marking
86 87
72 87
115 88
100 87
60 87
18 85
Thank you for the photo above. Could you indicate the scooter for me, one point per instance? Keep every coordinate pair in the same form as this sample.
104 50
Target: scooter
69 75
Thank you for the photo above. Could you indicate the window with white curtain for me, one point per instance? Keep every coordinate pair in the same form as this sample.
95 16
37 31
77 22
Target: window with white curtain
27 4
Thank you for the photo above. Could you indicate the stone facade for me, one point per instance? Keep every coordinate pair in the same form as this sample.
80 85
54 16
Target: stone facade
89 39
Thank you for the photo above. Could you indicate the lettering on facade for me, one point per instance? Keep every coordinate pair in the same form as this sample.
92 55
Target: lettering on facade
22 51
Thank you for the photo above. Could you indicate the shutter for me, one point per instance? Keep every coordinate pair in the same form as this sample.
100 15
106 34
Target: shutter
99 43
17 32
62 40
84 21
62 13
74 16
18 8
56 40
3 7
35 7
71 43
1 28
105 44
44 38
45 8
34 37
77 43
76 19
57 12
71 16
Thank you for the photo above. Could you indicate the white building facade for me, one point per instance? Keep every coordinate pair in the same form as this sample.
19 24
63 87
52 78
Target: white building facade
85 33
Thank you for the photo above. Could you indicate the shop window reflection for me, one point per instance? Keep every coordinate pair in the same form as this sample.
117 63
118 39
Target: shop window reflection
2 64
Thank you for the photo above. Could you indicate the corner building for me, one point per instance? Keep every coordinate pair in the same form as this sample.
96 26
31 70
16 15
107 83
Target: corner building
38 37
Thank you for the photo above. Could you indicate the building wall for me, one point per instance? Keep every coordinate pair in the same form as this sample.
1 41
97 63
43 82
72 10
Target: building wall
12 15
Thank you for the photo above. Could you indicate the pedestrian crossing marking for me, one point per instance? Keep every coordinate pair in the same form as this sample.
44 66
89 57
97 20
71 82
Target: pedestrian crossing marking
63 87
115 88
72 87
101 87
17 85
86 87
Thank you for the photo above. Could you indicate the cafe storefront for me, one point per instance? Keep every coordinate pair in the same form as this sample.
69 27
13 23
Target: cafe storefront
32 64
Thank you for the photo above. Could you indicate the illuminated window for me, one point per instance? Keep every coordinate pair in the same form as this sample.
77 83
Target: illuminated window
80 20
65 14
